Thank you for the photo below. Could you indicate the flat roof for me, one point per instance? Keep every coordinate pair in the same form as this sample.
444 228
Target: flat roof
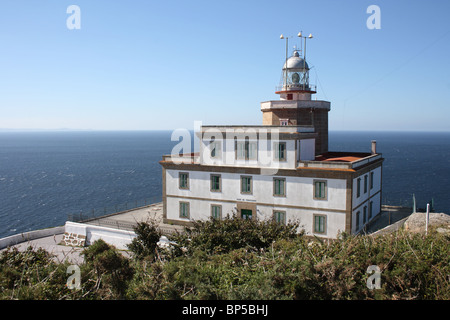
342 156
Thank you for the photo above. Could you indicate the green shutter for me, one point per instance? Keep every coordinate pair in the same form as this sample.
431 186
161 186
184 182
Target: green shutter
246 184
279 187
280 151
319 224
184 210
319 190
183 180
216 212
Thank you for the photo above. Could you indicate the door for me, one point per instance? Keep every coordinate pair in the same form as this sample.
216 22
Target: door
246 214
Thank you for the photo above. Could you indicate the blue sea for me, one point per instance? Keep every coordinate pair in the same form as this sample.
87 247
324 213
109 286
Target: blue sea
45 176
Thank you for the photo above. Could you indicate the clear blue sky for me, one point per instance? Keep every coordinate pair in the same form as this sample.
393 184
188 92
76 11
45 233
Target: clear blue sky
147 65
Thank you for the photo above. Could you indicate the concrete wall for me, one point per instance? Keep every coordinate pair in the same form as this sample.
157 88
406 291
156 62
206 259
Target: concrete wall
115 237
27 236
307 150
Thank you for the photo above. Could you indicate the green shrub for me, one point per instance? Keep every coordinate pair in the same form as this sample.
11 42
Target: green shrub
279 265
32 274
105 272
145 242
221 236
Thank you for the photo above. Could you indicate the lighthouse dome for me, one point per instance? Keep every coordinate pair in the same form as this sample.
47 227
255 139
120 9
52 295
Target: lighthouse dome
296 63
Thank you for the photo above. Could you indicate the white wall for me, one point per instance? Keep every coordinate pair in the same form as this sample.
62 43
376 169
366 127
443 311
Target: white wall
115 237
335 220
201 209
364 196
265 154
363 200
299 193
299 190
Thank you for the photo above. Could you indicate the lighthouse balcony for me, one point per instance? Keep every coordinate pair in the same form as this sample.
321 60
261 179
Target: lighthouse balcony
296 87
294 104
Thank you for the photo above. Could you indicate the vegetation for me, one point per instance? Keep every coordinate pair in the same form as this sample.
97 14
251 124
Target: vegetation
239 259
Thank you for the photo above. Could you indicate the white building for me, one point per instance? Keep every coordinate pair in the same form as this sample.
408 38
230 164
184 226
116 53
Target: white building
280 170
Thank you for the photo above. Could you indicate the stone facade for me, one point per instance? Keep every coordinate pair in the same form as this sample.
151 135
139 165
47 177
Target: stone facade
74 240
317 118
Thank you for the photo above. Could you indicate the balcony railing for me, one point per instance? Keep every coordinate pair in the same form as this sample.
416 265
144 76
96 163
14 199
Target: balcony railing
297 87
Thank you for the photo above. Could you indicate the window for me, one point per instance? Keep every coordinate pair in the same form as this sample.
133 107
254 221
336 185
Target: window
184 210
246 184
320 190
357 220
216 149
364 214
358 187
320 223
290 96
284 122
183 180
370 209
246 150
365 183
371 180
280 151
279 217
215 183
216 211
246 214
279 187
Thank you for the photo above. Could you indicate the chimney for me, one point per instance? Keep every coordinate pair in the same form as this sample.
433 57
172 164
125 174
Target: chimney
374 146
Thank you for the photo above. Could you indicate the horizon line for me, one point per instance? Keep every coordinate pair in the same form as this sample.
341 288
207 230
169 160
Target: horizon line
141 130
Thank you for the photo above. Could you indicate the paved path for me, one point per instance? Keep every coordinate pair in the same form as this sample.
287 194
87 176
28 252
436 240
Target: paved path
390 215
125 220
52 245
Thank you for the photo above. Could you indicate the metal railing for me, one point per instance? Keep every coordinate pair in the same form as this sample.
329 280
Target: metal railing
92 214
295 87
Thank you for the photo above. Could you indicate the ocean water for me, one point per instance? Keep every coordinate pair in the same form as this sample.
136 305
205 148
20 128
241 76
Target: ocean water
45 176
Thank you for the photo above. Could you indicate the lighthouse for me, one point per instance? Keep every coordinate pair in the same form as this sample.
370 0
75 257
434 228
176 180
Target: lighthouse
295 106
279 170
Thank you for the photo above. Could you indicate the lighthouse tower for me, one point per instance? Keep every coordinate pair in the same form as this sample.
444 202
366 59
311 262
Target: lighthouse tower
295 107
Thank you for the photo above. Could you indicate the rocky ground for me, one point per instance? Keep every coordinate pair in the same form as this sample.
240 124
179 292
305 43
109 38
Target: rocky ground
416 222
